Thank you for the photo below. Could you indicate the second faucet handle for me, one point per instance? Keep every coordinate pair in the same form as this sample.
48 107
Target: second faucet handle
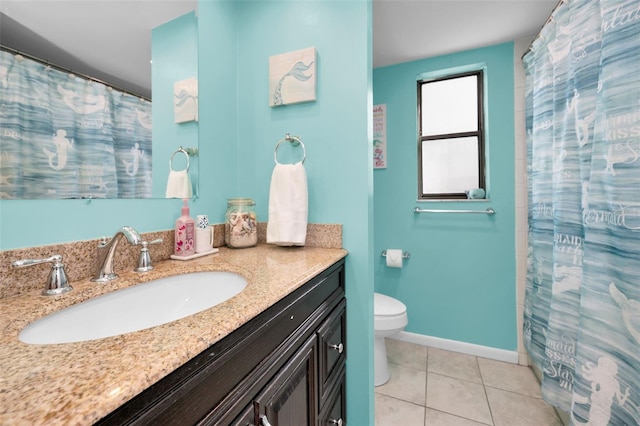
57 283
144 263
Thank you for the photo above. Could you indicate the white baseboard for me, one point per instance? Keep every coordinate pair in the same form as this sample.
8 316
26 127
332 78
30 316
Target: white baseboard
456 346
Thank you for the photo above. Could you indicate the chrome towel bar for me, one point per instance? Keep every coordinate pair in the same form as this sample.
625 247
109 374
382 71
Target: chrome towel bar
488 211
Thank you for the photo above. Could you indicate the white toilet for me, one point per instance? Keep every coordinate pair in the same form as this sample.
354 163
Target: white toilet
389 318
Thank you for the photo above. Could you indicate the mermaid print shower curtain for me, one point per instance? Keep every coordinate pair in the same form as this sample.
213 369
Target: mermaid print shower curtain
582 303
63 136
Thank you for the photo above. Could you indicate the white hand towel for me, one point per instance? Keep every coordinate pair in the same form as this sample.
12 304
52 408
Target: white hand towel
288 205
179 185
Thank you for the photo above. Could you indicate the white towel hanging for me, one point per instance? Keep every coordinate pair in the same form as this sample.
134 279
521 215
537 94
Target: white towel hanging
288 205
178 182
288 200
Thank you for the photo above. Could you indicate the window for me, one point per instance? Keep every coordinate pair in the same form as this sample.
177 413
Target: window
451 136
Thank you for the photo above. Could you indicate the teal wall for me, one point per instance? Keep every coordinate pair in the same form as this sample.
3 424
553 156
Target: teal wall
460 281
236 40
238 132
174 52
218 102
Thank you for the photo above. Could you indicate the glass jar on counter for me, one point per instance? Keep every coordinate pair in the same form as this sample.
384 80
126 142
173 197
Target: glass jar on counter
241 223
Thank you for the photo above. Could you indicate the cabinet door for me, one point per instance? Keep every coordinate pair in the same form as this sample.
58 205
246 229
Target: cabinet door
333 348
333 414
290 398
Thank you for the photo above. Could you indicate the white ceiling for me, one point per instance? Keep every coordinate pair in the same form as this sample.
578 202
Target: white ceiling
407 30
111 39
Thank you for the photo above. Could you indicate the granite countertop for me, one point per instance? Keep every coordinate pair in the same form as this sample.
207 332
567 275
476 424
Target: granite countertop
79 383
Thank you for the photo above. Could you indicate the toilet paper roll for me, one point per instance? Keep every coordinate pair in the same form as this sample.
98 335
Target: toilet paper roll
394 258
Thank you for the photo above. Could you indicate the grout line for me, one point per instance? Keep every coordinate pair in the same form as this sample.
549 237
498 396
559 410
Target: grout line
480 371
457 416
424 418
426 390
484 388
454 377
400 399
515 392
426 384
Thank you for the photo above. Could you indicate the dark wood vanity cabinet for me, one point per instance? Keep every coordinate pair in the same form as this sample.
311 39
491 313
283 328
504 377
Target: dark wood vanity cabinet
286 365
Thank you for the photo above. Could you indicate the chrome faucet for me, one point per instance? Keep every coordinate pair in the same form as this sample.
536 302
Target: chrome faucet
106 250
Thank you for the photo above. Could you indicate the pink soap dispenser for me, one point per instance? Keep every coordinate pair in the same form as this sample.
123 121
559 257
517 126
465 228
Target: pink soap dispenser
184 233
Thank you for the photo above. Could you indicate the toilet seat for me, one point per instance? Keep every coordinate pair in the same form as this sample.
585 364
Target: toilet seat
388 313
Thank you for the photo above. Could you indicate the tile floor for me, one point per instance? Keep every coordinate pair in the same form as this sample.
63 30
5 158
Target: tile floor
432 387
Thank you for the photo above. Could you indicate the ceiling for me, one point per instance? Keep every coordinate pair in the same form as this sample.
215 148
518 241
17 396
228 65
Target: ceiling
407 30
111 39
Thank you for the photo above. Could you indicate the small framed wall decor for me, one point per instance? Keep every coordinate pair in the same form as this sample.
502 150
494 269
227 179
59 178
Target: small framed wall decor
185 100
292 77
380 136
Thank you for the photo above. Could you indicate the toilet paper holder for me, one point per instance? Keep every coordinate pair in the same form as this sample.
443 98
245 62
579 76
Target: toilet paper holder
405 254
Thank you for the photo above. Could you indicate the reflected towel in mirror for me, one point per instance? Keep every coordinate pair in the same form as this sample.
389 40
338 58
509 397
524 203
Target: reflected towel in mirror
179 185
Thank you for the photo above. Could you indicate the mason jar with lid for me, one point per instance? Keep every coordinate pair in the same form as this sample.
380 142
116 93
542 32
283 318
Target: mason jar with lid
241 224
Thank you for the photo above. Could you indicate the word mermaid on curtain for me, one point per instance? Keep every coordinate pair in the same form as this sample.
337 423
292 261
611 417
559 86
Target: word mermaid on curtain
67 137
582 304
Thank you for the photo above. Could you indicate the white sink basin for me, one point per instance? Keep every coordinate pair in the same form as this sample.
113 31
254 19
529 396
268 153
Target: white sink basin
135 308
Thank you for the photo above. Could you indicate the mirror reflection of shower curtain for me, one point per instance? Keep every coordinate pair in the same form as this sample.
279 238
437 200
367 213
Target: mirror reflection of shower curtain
582 303
67 137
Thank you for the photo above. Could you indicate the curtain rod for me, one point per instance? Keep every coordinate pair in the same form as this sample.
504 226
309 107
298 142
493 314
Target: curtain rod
68 70
545 24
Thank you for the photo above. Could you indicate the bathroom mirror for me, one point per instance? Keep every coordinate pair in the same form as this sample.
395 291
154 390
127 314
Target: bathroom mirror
110 41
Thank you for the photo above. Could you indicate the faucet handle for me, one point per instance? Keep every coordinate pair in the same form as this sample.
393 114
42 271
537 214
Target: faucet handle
144 263
57 283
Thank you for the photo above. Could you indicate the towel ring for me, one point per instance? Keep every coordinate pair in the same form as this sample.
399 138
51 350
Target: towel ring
295 140
182 150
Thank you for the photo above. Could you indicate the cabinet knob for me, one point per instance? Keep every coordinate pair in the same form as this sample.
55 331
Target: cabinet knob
264 421
335 422
339 347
